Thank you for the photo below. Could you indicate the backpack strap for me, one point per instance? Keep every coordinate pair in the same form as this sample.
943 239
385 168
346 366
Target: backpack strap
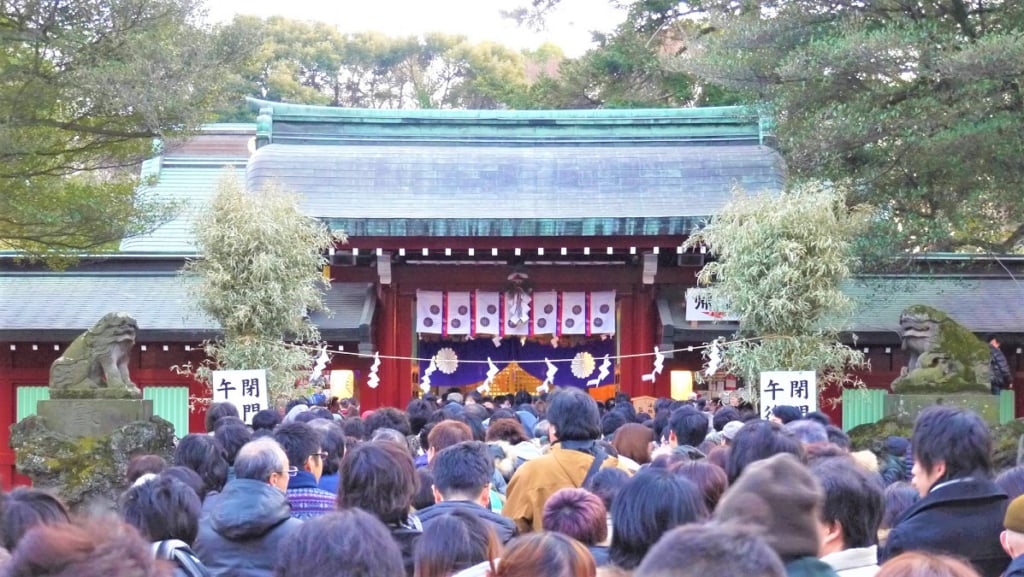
599 458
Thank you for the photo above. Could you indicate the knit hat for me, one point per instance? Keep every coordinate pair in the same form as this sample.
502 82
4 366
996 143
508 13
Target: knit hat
1014 520
787 413
455 398
731 428
780 498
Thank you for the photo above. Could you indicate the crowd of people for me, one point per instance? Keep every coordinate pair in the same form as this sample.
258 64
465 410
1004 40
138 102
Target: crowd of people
555 486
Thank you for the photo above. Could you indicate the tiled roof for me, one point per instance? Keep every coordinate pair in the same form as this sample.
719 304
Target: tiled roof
65 304
981 304
410 190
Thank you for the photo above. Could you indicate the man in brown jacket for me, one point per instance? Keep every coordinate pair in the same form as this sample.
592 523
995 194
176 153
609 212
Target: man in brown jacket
575 426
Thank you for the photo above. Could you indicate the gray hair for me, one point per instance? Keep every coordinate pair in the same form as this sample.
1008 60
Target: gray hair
260 458
807 431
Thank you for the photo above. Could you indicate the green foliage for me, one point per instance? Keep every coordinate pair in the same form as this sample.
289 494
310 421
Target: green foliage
917 106
779 263
260 274
86 88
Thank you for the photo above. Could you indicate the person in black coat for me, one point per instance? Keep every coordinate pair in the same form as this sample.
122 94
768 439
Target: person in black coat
961 510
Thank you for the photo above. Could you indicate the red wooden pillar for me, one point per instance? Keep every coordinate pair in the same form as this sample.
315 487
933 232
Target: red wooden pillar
400 381
7 414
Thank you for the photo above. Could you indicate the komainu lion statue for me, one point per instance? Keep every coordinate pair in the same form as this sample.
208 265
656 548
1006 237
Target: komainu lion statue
96 363
942 355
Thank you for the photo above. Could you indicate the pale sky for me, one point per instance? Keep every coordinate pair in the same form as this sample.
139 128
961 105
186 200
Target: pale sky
568 26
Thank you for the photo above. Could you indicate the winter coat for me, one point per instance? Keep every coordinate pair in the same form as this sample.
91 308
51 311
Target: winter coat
1016 568
244 530
504 528
809 567
962 518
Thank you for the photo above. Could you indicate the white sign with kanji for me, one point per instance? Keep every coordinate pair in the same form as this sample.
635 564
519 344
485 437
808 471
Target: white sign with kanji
796 388
700 308
246 390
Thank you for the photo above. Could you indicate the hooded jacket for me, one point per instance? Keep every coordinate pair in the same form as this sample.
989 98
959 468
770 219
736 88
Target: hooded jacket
244 529
504 528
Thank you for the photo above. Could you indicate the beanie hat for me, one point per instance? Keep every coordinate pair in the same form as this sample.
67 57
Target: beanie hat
731 428
1014 519
787 413
781 500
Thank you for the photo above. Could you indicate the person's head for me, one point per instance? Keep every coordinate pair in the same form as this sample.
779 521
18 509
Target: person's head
387 418
445 434
509 430
216 412
783 414
162 508
333 443
687 426
100 547
204 455
820 418
424 496
144 465
547 554
187 476
711 550
573 416
899 497
380 478
1012 538
949 443
651 503
838 437
992 339
606 484
1011 481
854 503
920 564
577 513
24 508
807 431
463 472
723 416
634 441
354 428
610 423
779 498
346 543
419 412
758 440
264 460
302 445
231 438
454 542
709 478
266 420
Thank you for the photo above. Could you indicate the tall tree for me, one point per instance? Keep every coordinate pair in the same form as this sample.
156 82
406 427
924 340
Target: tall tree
87 85
917 106
260 274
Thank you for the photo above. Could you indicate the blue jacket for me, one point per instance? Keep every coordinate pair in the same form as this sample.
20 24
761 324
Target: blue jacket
963 518
1016 568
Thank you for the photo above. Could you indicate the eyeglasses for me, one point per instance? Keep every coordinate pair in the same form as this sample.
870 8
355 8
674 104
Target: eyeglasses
322 454
293 471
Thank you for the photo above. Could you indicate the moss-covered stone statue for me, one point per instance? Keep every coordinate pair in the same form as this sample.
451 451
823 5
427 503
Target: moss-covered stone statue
95 365
943 356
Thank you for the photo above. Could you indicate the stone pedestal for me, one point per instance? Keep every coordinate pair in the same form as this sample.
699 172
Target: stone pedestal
907 407
93 417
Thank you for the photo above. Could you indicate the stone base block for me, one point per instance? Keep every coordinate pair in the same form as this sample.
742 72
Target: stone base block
909 406
93 417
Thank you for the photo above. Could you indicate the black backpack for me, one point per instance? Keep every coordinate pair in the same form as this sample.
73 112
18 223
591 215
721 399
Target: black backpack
179 553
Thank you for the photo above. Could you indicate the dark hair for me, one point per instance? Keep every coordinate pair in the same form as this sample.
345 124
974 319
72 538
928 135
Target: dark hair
820 418
651 503
313 414
723 416
204 455
689 425
231 439
577 513
299 441
508 430
955 436
611 421
712 550
387 418
424 497
633 440
102 547
838 437
899 497
190 478
267 419
448 433
574 415
162 508
758 440
453 542
719 456
347 543
23 509
379 477
333 443
216 411
787 413
547 554
354 427
144 465
853 497
462 470
709 478
606 484
419 412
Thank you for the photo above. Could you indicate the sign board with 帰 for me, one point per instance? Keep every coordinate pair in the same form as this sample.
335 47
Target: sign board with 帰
245 389
796 388
699 307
